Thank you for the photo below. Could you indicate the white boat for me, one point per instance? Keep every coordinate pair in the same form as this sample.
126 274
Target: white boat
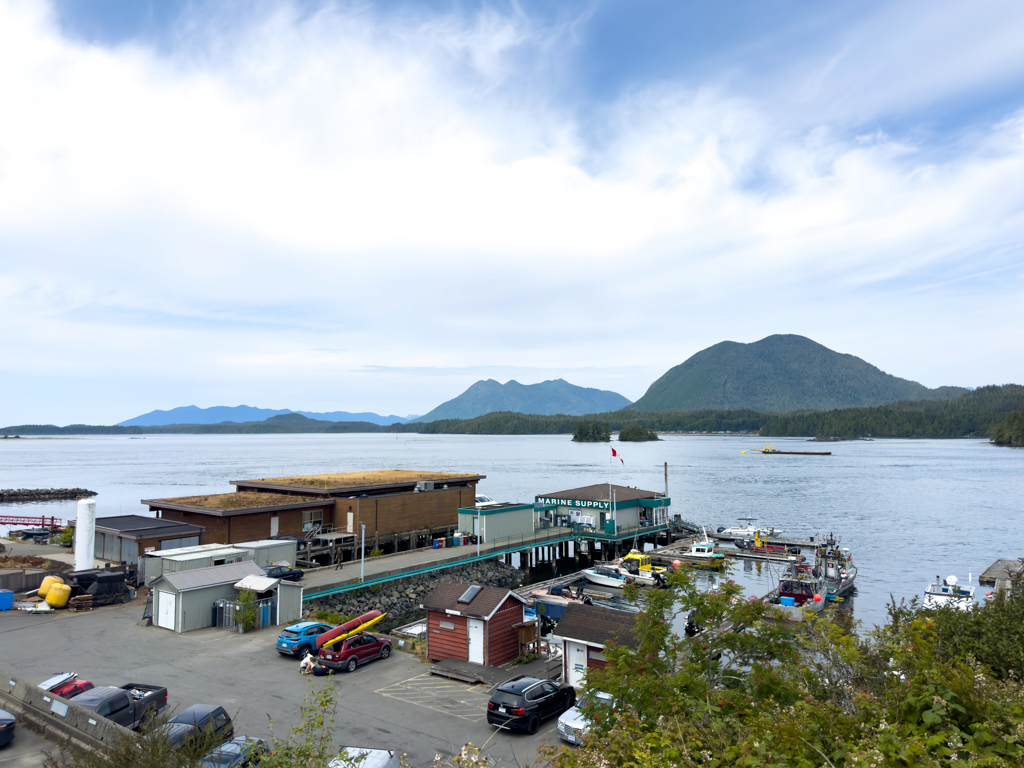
561 594
608 576
652 578
948 593
748 530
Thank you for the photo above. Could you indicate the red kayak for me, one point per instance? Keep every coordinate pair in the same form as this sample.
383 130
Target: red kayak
349 627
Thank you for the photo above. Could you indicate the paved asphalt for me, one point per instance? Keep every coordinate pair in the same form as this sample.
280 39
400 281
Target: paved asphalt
388 704
26 751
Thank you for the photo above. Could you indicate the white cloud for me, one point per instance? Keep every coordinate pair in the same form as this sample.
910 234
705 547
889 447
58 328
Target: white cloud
412 194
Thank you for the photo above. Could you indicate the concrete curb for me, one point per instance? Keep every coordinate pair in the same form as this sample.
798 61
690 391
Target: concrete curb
56 719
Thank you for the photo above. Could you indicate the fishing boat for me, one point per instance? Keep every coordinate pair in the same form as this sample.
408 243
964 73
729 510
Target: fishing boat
836 566
561 594
799 591
948 593
608 576
748 530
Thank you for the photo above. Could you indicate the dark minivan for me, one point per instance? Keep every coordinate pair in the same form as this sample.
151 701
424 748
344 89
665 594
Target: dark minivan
523 702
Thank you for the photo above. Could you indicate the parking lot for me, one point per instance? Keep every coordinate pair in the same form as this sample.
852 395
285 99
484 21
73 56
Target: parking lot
388 704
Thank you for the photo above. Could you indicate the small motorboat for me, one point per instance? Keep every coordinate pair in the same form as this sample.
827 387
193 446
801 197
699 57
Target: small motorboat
608 576
702 553
747 531
561 594
652 578
948 593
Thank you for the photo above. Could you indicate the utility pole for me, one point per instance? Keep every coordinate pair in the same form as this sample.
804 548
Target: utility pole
362 554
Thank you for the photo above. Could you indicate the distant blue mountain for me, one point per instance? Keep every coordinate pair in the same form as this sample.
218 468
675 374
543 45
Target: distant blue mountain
191 414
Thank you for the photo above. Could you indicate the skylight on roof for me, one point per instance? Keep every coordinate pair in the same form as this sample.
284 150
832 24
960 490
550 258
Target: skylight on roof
469 594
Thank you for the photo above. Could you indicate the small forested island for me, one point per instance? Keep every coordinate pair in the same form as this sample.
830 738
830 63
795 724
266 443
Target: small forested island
636 433
591 432
1011 431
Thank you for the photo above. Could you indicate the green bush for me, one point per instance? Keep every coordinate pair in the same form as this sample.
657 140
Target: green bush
65 537
250 613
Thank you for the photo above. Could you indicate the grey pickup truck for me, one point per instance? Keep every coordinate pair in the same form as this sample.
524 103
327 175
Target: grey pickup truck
128 705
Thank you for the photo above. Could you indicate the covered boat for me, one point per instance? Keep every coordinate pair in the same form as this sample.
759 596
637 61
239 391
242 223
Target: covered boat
608 576
836 566
800 590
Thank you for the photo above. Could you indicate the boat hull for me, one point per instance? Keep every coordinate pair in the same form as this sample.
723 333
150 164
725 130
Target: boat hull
604 581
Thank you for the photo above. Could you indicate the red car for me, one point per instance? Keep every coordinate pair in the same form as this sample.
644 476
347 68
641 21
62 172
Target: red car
350 653
67 685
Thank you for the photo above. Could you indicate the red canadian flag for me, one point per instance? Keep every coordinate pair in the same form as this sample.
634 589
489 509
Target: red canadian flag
615 455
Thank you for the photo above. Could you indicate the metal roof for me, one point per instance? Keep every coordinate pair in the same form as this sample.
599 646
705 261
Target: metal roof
183 581
601 492
258 583
187 550
142 527
203 555
262 543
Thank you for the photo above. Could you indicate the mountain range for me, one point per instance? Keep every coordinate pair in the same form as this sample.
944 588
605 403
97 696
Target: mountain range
546 399
239 414
780 373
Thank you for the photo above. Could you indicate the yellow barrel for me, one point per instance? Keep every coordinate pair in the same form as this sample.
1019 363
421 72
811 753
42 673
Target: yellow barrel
58 595
48 582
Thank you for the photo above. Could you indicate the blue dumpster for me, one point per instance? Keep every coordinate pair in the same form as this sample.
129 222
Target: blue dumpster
6 599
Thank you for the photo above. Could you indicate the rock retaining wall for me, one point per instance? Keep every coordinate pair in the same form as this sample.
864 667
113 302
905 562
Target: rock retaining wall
404 596
43 494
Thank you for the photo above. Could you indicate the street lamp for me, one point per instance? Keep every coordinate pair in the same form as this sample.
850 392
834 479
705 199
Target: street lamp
362 553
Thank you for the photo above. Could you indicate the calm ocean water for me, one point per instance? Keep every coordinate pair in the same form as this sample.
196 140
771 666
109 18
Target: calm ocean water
908 509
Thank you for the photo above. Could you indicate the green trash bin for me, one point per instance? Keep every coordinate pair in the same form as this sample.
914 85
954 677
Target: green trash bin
609 527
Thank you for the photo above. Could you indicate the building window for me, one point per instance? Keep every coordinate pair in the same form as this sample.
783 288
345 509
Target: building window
447 625
596 655
312 518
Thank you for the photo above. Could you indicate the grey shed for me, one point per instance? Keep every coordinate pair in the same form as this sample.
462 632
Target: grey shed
183 601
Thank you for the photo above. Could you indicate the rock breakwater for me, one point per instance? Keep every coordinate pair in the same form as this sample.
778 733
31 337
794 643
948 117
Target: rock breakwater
43 494
403 597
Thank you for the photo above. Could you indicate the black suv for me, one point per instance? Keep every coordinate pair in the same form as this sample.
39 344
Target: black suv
189 726
523 702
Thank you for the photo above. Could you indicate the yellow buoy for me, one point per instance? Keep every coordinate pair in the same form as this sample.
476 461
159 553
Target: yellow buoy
58 595
48 582
742 451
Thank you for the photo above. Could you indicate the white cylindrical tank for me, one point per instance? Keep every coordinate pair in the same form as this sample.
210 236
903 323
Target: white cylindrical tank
85 534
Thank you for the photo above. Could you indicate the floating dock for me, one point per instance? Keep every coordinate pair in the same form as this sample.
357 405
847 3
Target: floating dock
802 543
666 555
1000 571
768 450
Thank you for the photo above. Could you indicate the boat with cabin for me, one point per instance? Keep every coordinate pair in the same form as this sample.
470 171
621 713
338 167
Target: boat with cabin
561 594
637 560
759 545
949 593
702 553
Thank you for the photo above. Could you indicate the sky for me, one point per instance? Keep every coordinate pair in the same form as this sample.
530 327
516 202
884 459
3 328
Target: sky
369 206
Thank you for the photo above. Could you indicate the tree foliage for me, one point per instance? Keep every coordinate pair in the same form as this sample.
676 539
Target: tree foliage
907 694
1011 431
591 432
637 433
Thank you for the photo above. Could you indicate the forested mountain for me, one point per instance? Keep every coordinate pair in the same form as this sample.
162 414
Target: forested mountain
239 414
977 413
776 374
546 398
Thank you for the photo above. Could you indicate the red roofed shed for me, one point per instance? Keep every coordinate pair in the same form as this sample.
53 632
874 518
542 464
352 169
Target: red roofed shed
473 623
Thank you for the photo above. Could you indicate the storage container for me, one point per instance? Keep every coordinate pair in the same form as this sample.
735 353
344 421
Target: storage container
791 602
48 582
6 599
58 595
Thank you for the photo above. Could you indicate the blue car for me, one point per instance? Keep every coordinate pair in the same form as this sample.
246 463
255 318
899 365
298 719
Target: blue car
240 751
6 727
300 639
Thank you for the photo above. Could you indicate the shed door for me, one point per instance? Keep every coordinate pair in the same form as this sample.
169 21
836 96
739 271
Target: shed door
165 614
476 641
577 663
275 522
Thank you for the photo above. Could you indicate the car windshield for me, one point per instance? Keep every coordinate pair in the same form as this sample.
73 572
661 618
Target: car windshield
224 757
178 732
288 634
595 698
504 697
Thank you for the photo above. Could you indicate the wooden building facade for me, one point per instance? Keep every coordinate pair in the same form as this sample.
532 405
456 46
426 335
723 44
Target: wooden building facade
471 623
584 631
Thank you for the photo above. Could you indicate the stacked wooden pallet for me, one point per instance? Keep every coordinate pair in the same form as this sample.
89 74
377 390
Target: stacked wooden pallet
80 603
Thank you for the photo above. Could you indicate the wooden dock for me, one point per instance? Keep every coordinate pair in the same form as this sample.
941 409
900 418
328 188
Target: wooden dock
665 555
1000 570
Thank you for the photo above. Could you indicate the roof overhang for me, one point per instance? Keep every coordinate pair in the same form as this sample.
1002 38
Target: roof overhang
353 490
160 504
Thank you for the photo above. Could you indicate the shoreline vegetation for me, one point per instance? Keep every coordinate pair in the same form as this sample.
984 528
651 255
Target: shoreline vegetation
992 411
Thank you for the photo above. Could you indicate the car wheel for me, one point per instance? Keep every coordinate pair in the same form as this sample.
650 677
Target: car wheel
532 724
385 651
303 650
352 664
570 701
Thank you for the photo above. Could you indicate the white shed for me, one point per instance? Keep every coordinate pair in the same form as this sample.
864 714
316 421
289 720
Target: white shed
269 551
